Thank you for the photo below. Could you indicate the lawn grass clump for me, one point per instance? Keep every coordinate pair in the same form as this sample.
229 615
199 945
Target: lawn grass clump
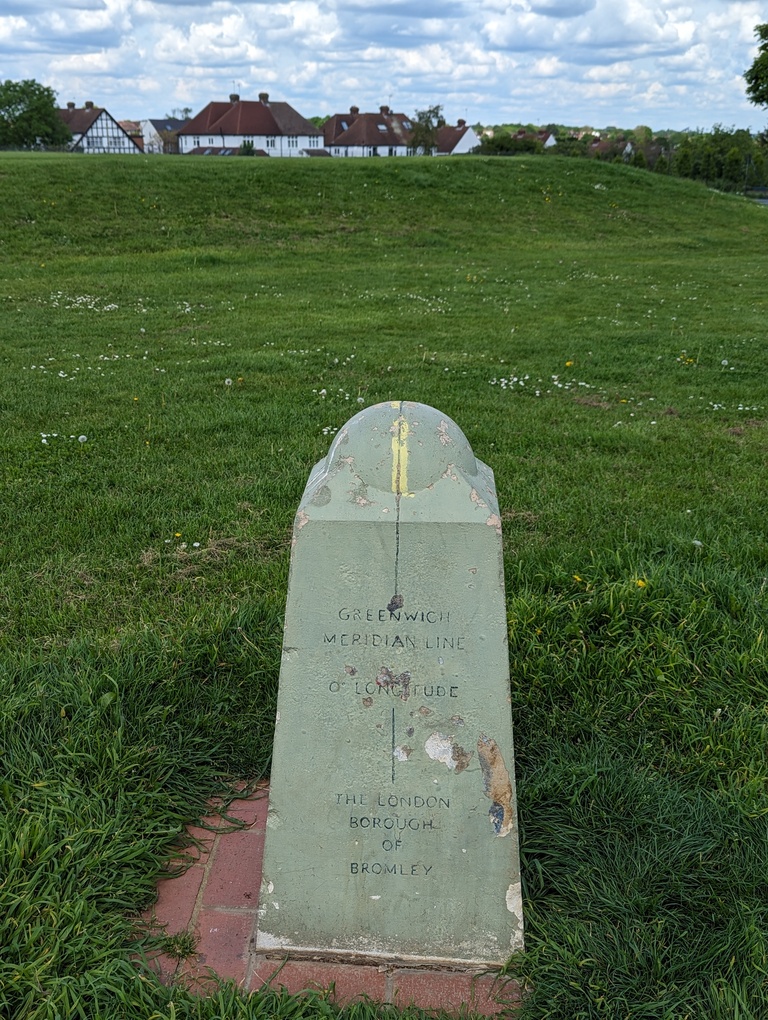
181 341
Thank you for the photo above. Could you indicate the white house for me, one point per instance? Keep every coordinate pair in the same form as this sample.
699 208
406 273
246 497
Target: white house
161 135
271 129
95 131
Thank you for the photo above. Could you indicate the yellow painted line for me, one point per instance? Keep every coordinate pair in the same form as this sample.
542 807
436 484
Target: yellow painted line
400 456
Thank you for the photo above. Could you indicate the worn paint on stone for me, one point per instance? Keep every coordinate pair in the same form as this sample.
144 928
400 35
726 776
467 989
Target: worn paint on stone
392 829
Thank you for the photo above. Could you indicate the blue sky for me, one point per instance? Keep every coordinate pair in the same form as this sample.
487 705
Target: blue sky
663 63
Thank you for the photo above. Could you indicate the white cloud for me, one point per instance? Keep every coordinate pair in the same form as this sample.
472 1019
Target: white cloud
663 62
84 63
11 27
224 44
548 67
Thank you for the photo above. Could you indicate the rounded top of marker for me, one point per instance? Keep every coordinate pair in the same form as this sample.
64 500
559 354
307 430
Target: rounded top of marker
402 447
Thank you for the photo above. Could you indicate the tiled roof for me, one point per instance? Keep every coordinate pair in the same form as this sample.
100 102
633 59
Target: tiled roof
203 121
363 129
448 137
248 117
78 121
168 124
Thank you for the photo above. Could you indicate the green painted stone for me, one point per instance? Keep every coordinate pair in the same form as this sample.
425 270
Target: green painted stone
392 829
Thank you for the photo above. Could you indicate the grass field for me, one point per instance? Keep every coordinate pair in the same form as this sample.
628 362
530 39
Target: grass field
180 339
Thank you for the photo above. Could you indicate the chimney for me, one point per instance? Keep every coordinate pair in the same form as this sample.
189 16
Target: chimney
384 110
89 104
70 106
264 97
461 122
354 110
234 98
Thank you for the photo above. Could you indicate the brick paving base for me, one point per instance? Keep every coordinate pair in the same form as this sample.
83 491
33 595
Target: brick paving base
217 900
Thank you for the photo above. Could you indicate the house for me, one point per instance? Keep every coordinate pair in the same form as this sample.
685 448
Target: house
456 141
162 136
133 129
612 149
544 138
368 134
267 128
95 131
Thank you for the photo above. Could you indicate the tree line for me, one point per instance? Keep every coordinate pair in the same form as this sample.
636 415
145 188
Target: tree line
726 158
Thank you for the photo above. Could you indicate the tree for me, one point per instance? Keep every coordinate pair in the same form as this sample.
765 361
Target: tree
733 166
639 160
426 125
757 75
503 144
179 113
661 166
684 161
28 115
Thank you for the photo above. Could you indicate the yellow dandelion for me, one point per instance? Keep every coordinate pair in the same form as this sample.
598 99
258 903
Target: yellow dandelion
640 583
576 577
568 364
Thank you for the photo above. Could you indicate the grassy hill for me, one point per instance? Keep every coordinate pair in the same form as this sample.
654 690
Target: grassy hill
179 341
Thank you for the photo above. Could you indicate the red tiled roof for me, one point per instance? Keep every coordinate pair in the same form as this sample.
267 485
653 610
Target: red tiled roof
78 121
354 128
247 117
448 137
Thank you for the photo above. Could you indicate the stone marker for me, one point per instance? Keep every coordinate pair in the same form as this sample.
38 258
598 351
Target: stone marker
392 828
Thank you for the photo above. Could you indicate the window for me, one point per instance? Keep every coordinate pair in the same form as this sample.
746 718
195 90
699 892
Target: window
196 143
210 141
270 143
382 128
293 141
314 142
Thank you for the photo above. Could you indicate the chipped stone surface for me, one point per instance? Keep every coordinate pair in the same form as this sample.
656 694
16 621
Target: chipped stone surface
497 784
440 747
393 765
